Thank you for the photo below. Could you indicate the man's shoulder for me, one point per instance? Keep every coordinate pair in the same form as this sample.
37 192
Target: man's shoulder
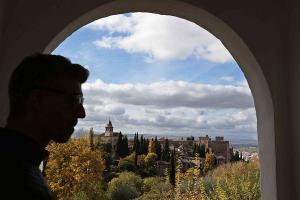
17 170
25 179
11 151
7 140
6 133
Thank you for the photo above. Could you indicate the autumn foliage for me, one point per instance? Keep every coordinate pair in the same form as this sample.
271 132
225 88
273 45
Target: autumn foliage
74 171
73 167
237 181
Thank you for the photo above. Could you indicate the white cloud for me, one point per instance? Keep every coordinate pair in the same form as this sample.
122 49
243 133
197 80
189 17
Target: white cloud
170 107
168 94
115 23
110 109
227 78
160 37
215 123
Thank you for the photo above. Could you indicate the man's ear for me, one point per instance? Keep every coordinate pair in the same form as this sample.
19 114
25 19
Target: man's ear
33 102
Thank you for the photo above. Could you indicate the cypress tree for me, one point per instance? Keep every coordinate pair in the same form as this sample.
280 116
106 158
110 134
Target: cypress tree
202 151
91 136
166 151
146 146
141 147
119 145
198 149
136 148
157 148
138 144
172 168
158 151
125 149
134 142
195 149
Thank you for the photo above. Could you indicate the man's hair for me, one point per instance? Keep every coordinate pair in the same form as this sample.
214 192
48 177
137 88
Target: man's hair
37 69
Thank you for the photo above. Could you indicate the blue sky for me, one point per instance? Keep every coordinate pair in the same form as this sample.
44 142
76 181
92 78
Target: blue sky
159 74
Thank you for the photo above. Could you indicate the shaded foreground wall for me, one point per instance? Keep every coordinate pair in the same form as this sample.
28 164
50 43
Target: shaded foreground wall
263 36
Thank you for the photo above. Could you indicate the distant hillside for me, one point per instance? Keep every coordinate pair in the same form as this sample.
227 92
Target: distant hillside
79 133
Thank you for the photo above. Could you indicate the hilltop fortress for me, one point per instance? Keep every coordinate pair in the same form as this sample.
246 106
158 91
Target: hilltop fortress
219 146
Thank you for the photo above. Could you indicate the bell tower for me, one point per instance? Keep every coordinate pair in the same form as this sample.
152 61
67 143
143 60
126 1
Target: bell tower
109 129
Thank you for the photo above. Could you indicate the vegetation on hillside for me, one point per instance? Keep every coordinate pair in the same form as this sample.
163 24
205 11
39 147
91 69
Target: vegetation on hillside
75 171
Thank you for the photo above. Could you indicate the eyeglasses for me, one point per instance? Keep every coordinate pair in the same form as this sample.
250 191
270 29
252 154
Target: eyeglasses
75 98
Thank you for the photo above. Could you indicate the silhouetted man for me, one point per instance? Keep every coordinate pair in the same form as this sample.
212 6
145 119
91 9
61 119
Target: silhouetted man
45 103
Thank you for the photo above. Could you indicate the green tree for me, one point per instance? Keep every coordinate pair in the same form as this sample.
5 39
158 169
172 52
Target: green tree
150 159
127 163
119 145
194 149
134 142
202 151
156 188
172 168
141 161
166 151
108 159
143 148
146 146
125 148
157 148
106 147
126 186
91 136
137 144
97 194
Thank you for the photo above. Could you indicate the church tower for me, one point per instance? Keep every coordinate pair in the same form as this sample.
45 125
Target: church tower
109 129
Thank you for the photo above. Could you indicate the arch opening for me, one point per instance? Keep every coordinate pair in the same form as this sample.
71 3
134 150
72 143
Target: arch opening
238 49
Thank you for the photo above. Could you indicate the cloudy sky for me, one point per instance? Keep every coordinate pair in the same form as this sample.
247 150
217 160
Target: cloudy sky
158 74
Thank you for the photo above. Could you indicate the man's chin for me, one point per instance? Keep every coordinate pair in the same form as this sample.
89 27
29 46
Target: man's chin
61 140
64 137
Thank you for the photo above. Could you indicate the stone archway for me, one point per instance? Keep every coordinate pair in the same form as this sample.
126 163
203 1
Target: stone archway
231 40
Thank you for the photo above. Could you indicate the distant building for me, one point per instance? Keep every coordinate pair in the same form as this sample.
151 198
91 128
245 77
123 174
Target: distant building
220 160
219 146
107 137
221 149
204 141
246 156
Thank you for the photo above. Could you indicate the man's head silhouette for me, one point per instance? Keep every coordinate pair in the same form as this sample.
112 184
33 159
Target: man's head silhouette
46 98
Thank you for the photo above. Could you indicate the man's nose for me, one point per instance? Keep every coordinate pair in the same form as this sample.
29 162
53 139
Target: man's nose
80 111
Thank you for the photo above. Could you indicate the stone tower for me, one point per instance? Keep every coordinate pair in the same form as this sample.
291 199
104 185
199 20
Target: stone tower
109 129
